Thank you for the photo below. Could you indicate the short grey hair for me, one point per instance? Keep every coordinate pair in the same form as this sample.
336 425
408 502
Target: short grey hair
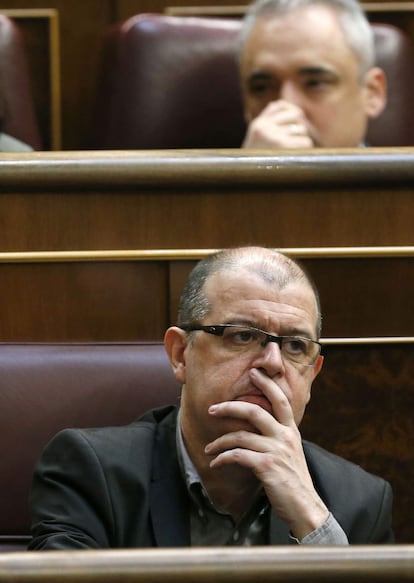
274 267
352 19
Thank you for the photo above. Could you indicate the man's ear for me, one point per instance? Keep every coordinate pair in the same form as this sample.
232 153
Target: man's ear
375 92
316 370
317 367
175 342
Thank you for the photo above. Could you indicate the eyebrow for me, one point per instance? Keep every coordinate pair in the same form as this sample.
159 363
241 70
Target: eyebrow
241 322
302 72
254 324
318 72
259 76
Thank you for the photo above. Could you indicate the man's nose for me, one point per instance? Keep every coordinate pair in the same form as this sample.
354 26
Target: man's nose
289 92
269 359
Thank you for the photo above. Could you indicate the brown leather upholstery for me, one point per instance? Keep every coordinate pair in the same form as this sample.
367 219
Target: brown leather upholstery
395 54
172 82
47 387
17 113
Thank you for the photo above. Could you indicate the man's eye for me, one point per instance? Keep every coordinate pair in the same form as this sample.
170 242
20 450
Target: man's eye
317 83
241 336
258 88
295 346
263 87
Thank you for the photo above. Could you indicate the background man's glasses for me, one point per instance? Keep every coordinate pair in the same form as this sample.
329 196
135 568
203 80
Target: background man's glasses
248 339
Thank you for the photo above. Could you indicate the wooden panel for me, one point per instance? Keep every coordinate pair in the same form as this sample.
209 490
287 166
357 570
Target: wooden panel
134 296
83 301
40 30
374 296
82 23
361 408
206 199
370 564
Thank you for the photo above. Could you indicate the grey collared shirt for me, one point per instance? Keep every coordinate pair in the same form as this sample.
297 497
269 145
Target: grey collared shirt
212 527
10 144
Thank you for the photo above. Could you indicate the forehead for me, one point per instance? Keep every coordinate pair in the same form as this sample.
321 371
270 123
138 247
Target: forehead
246 296
309 35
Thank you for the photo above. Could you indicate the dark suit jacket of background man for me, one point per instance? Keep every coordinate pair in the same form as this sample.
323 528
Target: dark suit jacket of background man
123 488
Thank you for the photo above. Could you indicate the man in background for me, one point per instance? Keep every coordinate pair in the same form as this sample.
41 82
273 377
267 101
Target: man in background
308 74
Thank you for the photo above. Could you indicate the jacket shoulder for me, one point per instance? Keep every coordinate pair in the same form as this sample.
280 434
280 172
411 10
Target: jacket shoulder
109 439
341 472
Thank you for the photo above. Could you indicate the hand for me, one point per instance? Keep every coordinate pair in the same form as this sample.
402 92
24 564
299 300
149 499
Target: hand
280 125
273 451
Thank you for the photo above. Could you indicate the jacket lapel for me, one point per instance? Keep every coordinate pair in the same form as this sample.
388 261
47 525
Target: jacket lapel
169 505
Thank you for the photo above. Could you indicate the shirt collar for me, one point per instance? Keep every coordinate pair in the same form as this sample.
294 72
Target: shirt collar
188 469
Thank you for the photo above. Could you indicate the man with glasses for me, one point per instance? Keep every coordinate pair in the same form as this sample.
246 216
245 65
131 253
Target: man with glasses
228 467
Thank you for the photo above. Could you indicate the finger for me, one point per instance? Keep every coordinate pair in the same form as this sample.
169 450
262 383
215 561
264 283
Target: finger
280 106
296 129
281 406
284 113
284 129
238 440
287 117
272 137
242 457
253 414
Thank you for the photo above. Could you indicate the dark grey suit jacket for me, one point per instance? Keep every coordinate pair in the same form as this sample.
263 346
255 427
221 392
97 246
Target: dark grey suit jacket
121 487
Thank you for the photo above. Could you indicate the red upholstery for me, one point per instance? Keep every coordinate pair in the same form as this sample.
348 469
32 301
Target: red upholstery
172 82
17 114
47 387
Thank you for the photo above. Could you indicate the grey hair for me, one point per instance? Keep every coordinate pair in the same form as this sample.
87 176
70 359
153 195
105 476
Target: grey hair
351 17
274 268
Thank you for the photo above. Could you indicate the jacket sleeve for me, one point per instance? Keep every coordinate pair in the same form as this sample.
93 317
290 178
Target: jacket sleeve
382 531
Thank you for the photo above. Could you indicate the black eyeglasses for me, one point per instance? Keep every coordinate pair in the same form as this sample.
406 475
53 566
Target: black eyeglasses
246 338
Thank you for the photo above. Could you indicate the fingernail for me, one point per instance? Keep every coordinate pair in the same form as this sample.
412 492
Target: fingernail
212 408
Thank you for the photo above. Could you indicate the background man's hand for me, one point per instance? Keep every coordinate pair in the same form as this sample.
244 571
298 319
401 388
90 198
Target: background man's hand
280 125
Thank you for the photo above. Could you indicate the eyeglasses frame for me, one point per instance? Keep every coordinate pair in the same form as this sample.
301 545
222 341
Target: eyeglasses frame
218 330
